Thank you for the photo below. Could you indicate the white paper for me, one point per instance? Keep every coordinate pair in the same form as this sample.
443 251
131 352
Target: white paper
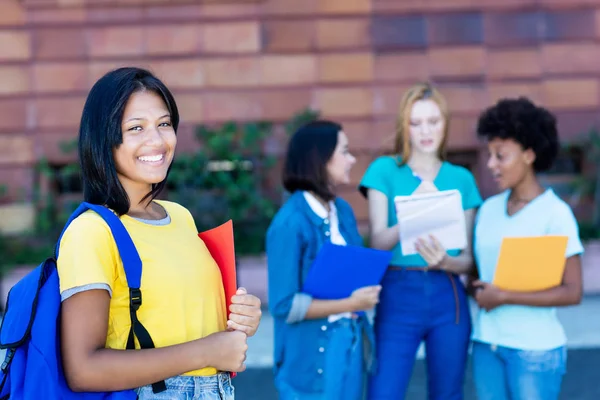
438 213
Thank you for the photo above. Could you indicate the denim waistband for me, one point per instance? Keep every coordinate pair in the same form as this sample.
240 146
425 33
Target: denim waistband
202 387
425 270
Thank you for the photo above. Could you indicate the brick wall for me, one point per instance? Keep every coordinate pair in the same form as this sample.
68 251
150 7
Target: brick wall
251 59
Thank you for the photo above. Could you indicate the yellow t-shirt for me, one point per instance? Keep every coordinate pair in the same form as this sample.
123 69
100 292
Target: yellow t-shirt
182 289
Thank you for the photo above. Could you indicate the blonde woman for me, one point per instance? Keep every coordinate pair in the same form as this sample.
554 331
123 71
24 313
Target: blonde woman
422 298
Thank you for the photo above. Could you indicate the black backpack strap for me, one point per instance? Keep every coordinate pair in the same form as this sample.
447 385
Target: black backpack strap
137 329
132 264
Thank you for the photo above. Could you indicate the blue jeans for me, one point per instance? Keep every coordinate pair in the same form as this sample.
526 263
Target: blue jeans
417 306
503 373
215 387
344 367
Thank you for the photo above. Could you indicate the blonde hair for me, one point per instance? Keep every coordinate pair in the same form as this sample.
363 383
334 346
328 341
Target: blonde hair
420 91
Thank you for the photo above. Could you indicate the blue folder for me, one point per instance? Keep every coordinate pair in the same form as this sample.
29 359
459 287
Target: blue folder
339 270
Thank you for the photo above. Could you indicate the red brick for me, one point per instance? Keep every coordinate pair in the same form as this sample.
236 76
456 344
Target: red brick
19 180
290 7
343 33
459 61
246 9
532 90
570 93
115 15
221 107
386 99
49 145
14 79
56 16
570 58
404 66
506 4
100 68
13 114
116 41
344 102
58 112
56 43
15 45
180 73
173 39
234 37
172 12
522 63
420 6
60 77
358 203
386 129
345 6
367 136
281 36
558 4
16 149
355 67
465 99
232 72
288 70
462 133
358 170
281 105
13 13
191 108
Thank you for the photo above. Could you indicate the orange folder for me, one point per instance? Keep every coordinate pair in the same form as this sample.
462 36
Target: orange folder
528 264
220 244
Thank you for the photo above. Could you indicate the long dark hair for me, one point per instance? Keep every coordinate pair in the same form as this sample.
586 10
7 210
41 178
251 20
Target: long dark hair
100 133
308 153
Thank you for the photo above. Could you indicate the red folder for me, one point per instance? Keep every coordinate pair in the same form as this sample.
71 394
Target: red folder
219 242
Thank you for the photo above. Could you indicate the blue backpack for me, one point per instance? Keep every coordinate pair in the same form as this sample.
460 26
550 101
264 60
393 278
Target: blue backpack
30 331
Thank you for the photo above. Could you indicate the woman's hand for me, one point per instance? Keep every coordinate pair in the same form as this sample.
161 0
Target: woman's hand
488 296
245 312
365 298
432 252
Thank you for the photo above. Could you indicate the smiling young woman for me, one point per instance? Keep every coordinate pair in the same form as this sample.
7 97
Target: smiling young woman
127 141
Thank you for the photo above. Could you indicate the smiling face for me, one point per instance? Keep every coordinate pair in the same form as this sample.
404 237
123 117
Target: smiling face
341 162
149 141
509 163
426 127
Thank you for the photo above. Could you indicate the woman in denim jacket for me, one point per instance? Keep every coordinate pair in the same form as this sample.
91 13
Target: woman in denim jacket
319 344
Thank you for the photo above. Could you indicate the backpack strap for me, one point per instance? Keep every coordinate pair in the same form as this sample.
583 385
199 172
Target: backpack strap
133 272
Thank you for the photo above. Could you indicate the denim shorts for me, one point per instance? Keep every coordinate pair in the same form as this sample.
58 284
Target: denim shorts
215 387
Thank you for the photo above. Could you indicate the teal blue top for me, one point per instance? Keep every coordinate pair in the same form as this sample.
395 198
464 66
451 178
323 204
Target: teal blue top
386 175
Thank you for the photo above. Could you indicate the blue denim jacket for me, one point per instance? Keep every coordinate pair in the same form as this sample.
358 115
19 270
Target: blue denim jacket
294 238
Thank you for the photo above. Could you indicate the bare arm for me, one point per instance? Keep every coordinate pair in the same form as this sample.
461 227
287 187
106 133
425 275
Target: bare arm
323 308
89 366
569 292
463 263
382 236
362 299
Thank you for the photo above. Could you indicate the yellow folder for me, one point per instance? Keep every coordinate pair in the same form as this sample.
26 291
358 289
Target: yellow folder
528 264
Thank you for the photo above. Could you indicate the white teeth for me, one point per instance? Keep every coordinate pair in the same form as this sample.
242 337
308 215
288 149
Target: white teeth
155 158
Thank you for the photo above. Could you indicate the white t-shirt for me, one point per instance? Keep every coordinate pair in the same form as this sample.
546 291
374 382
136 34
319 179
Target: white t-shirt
517 326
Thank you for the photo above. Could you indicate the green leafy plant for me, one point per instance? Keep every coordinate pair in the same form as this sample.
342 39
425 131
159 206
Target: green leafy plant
227 178
587 184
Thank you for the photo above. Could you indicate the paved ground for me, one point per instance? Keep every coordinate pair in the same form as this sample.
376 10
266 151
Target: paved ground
582 382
